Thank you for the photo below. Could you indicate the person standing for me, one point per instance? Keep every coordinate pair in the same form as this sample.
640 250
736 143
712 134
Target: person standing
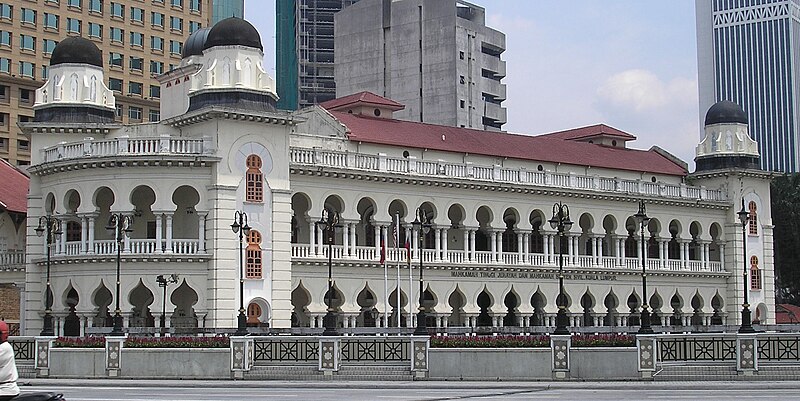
8 367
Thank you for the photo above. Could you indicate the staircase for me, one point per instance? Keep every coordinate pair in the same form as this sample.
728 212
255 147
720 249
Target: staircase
26 371
345 373
696 373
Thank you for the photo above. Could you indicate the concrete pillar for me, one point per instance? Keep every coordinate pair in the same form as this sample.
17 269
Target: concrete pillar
169 231
445 251
437 241
201 231
90 232
159 228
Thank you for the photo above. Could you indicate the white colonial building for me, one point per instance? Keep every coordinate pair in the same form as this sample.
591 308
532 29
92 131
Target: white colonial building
490 256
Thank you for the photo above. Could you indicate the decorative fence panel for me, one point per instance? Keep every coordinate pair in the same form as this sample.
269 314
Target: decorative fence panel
272 349
359 349
697 348
24 348
779 348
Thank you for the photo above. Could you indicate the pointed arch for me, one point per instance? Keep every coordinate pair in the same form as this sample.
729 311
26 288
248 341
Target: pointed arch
253 256
254 178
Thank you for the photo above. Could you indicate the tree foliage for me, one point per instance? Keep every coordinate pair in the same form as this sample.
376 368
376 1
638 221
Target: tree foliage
785 193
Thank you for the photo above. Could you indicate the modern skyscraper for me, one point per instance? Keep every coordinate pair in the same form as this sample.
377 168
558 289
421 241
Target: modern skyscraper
304 48
139 40
226 8
748 52
435 56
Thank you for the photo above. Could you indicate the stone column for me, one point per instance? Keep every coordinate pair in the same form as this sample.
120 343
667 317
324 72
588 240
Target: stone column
415 248
493 243
62 247
467 255
169 231
201 232
445 254
90 245
437 241
472 254
520 245
84 233
320 241
159 228
526 248
345 239
663 247
353 242
312 238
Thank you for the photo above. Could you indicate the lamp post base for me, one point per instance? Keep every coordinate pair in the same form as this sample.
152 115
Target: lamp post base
422 324
747 322
645 327
117 330
562 321
329 322
241 324
47 327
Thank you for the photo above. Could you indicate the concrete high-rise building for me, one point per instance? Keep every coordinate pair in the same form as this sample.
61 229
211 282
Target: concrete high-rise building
304 51
437 57
748 52
226 8
138 39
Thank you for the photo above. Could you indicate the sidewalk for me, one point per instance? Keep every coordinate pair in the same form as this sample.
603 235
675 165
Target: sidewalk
431 384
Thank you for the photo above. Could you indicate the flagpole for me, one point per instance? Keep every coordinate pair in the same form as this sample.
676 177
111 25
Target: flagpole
411 284
385 285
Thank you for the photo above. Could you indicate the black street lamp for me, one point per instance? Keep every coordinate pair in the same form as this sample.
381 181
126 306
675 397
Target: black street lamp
163 282
421 224
562 223
122 225
241 227
643 220
328 223
747 325
52 225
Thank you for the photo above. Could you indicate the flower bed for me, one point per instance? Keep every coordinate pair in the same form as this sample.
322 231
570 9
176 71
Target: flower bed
541 341
145 342
80 342
177 342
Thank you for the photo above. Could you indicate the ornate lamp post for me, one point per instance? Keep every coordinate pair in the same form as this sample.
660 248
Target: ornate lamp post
747 325
421 224
562 223
643 220
241 227
52 225
328 223
163 282
122 225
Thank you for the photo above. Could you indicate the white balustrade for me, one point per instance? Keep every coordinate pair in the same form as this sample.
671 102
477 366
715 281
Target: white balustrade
716 267
483 257
694 265
105 247
301 250
465 170
608 261
367 253
12 258
509 258
73 248
456 256
185 246
673 264
135 146
585 260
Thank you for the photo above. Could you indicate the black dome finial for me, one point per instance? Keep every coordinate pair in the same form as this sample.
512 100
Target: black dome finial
725 112
76 50
233 31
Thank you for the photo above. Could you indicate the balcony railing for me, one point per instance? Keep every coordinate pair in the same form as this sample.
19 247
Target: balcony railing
448 170
502 259
163 145
12 259
132 246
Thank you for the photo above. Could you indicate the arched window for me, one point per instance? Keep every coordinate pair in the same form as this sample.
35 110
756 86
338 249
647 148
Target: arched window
254 191
253 255
253 314
755 274
753 222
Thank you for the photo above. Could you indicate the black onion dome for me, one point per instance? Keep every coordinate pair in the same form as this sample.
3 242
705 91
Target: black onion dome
195 43
76 50
232 32
726 112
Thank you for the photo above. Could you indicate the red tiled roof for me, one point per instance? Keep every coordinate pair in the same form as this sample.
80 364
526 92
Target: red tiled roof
787 313
590 131
362 97
13 188
545 148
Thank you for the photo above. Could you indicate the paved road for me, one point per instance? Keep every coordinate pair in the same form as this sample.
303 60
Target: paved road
422 391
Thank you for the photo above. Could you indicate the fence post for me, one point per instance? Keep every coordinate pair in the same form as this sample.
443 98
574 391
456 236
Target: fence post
42 356
559 347
114 355
647 351
242 354
746 354
330 355
419 356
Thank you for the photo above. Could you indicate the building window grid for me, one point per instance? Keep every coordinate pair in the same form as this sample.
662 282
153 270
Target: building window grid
135 113
27 16
27 69
50 21
48 45
96 6
117 35
74 3
27 42
137 15
154 115
95 30
157 19
73 25
176 24
156 43
253 265
135 88
5 65
6 12
137 39
5 38
117 10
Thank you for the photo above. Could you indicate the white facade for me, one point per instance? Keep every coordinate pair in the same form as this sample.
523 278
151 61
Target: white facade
490 257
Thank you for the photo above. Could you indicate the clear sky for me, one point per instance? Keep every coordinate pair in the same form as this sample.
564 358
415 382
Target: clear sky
631 64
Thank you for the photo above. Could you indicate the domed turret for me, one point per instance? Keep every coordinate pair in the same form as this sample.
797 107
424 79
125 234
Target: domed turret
233 32
727 142
75 91
76 50
195 43
725 112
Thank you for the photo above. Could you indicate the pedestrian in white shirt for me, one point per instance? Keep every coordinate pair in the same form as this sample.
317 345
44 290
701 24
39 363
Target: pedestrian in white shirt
8 367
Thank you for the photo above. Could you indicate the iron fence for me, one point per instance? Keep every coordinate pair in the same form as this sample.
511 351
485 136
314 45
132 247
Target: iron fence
697 348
